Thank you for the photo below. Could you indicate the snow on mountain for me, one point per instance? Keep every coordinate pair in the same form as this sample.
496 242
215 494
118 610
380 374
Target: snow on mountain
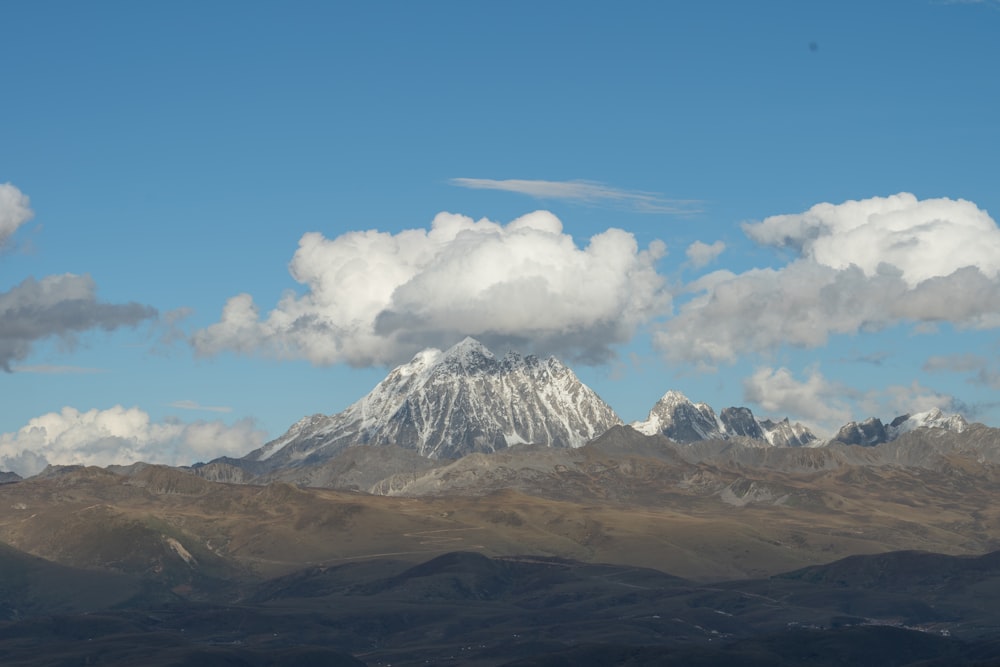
930 419
444 405
676 417
786 434
453 403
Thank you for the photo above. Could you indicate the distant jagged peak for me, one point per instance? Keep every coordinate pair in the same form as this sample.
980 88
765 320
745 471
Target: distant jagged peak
682 420
676 417
872 431
933 418
868 433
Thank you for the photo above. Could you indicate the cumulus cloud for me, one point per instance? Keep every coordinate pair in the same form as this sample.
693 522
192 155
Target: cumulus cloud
60 305
120 436
15 210
700 254
857 266
921 239
816 401
377 298
586 192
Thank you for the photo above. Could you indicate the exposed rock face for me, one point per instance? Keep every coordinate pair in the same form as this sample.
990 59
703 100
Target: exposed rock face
868 433
740 421
453 403
786 434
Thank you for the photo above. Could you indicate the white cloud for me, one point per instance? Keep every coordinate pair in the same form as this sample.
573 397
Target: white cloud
815 401
120 436
15 210
587 192
377 298
825 406
896 400
861 265
700 254
922 239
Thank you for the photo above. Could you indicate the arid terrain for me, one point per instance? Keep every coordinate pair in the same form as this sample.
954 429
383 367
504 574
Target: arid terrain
627 551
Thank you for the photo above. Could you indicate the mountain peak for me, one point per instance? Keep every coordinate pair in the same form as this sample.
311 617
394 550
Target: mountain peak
449 404
468 348
674 397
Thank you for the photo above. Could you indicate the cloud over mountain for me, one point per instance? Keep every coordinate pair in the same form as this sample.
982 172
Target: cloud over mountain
119 436
857 266
377 298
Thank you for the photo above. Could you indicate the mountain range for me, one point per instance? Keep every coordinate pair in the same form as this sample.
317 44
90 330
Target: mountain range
495 511
444 406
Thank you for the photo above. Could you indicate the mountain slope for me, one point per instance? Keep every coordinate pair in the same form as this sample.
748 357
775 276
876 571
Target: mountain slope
448 404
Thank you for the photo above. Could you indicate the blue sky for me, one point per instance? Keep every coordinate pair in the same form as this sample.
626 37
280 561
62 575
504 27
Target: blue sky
161 159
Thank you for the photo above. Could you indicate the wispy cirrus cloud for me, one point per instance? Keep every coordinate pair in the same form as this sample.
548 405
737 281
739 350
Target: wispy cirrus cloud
51 369
955 363
194 405
585 192
981 370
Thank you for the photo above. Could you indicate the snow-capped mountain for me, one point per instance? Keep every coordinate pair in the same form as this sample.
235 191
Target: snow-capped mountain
453 403
873 432
676 417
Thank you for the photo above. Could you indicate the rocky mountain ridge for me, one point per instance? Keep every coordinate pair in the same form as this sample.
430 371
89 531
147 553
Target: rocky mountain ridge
447 405
872 431
681 420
